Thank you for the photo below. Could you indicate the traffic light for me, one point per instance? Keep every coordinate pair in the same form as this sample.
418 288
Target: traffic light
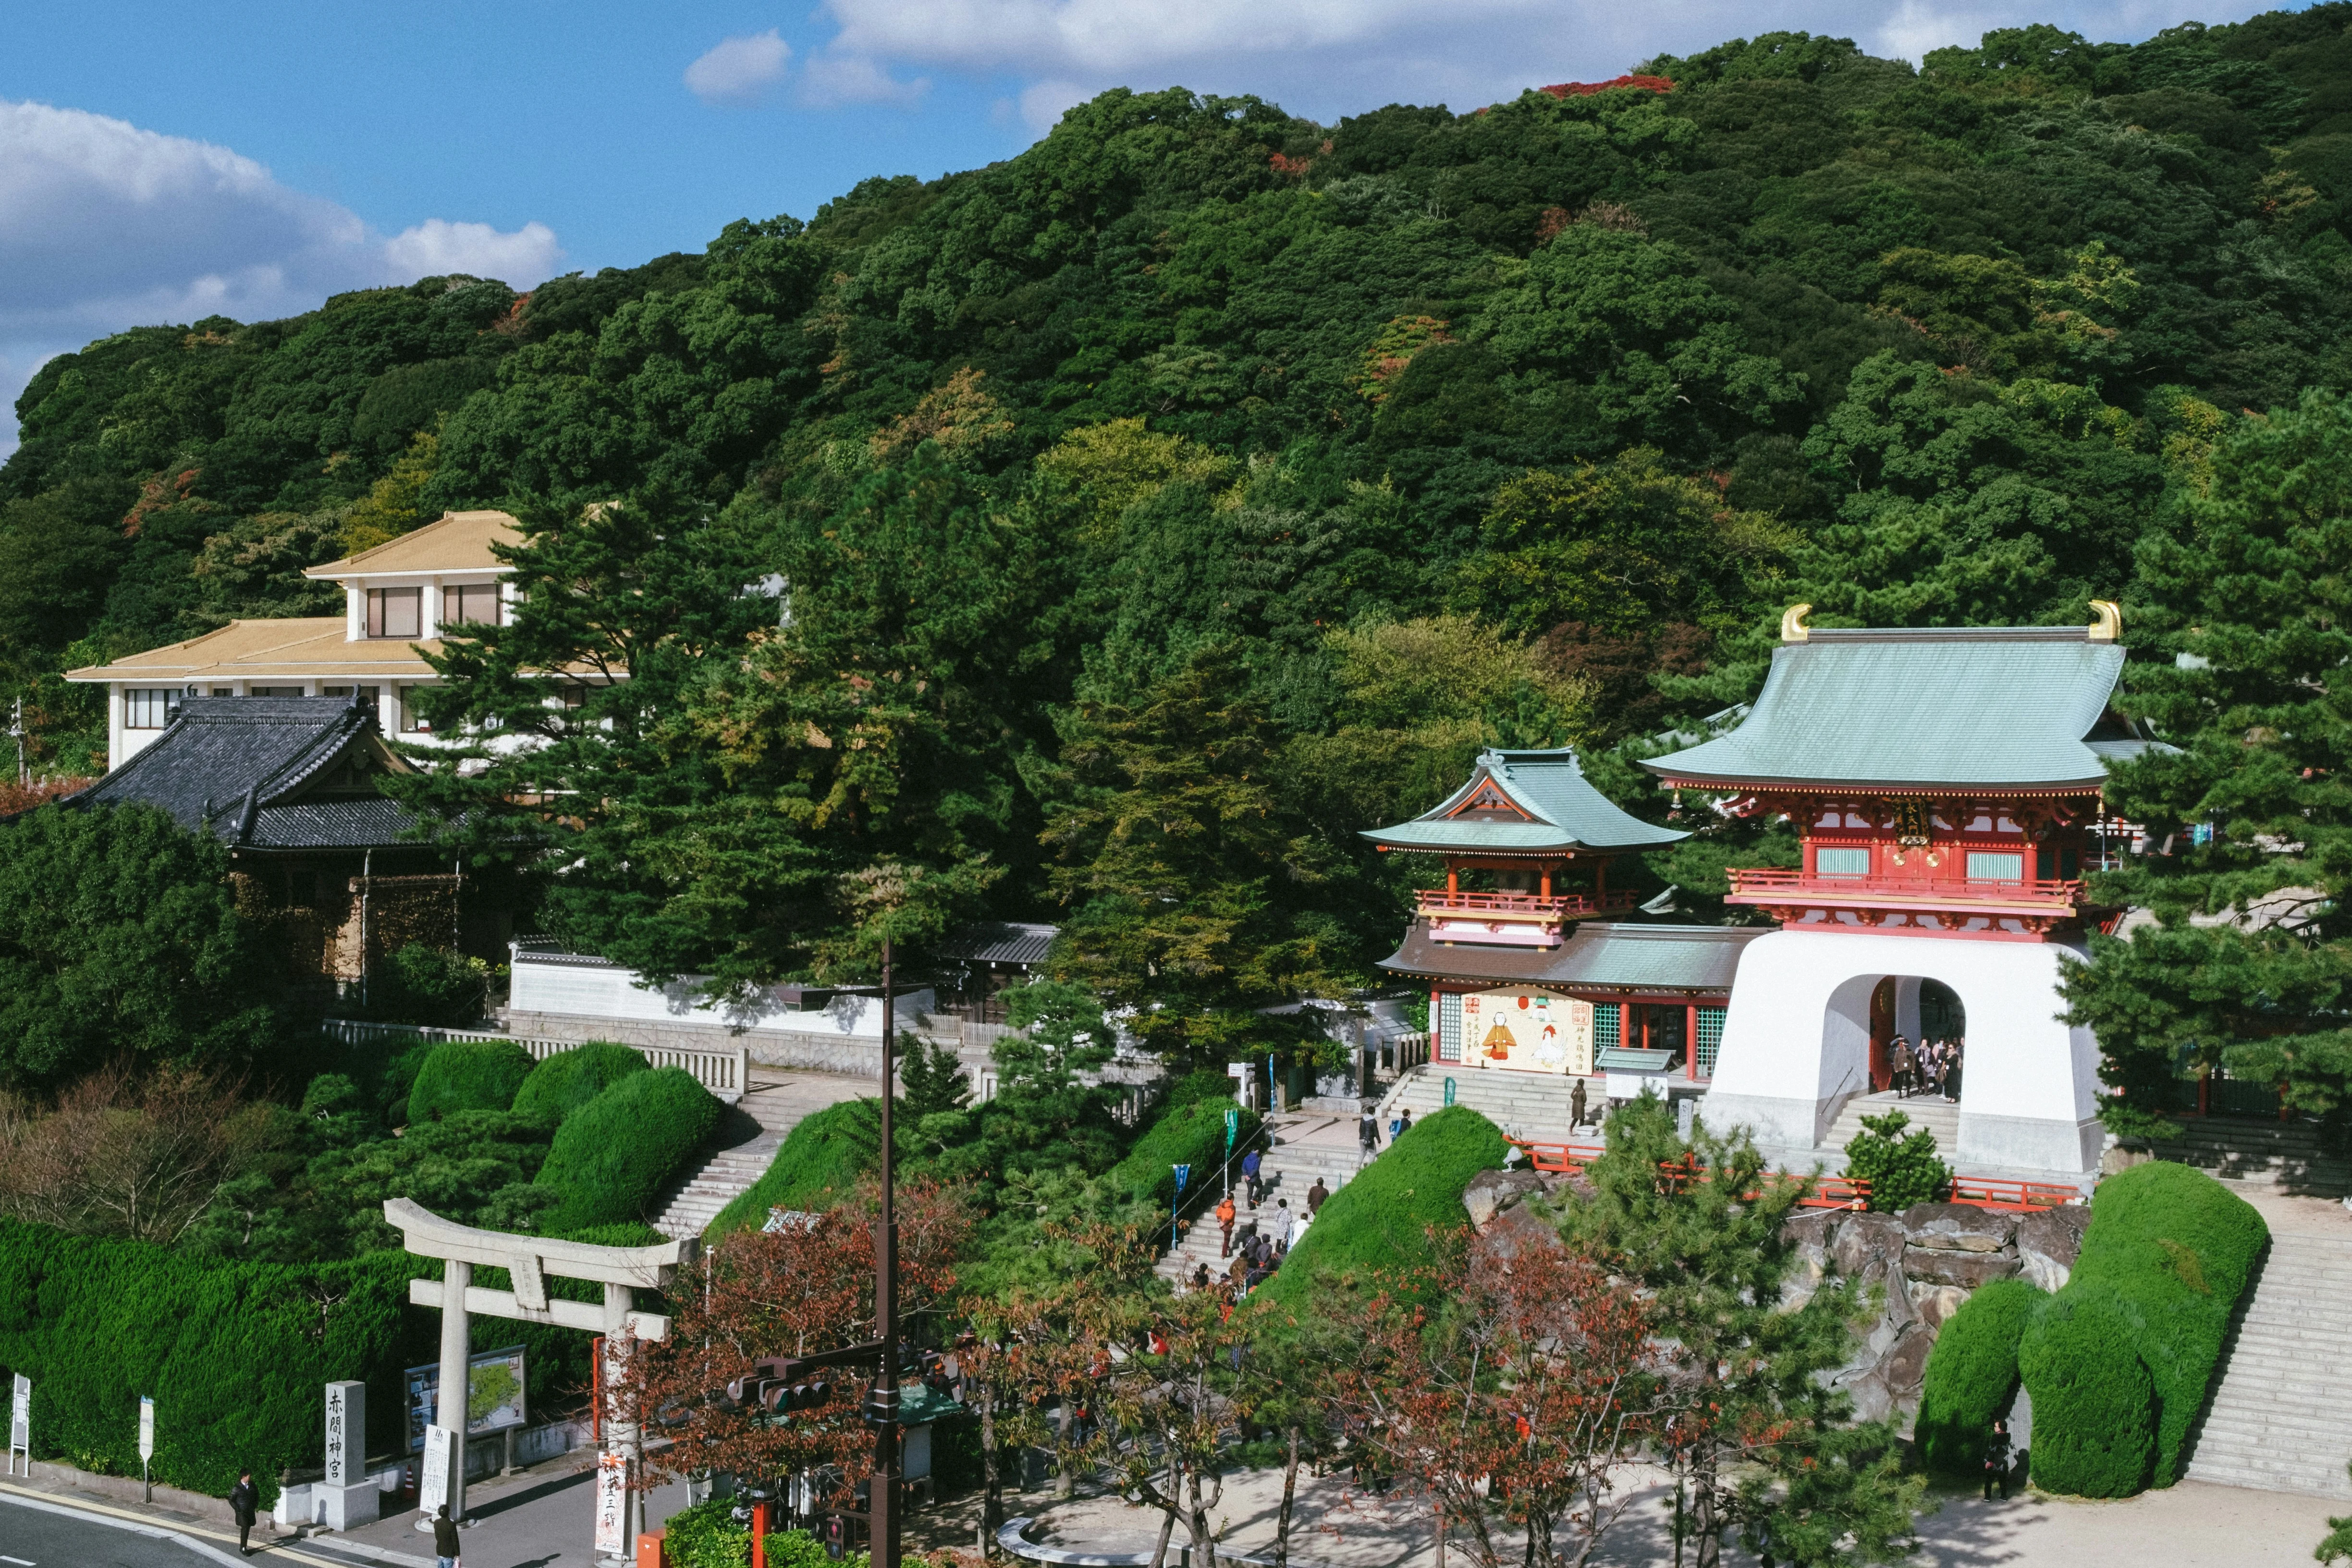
837 1536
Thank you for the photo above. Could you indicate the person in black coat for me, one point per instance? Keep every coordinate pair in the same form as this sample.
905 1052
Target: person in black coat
244 1499
1997 1460
445 1537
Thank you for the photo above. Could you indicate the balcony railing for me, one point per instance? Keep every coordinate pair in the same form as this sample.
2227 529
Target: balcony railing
1780 885
1444 905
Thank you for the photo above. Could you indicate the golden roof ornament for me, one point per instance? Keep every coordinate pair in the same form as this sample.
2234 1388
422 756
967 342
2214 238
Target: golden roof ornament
2109 627
1792 624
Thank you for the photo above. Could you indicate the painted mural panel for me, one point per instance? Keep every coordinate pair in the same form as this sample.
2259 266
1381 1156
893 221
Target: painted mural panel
1527 1029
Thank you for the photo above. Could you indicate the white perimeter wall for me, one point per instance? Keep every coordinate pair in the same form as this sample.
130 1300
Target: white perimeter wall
605 990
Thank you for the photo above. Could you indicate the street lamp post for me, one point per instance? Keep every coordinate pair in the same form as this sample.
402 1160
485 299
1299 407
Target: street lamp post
882 1398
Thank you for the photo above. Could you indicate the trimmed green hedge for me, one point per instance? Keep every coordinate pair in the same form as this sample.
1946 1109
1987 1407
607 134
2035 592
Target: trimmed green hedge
1190 1131
817 1163
1973 1375
2167 1254
1379 1223
236 1355
2093 1402
467 1075
570 1079
2177 1246
612 1156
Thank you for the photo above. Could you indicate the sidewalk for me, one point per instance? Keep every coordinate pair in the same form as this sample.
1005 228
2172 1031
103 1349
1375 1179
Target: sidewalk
539 1518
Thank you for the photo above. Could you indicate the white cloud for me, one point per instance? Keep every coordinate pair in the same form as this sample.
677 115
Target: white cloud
437 246
829 81
1329 58
1042 104
105 225
740 70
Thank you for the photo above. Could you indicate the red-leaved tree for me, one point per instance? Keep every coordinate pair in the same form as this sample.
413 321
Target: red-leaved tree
1515 1403
787 1292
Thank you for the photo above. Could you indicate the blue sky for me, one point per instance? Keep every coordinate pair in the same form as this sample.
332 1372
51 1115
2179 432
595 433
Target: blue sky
162 162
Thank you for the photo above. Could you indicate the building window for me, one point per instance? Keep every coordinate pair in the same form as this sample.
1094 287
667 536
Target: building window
1449 1026
1608 1026
470 605
1829 862
1986 866
1710 1039
2057 865
273 691
396 612
151 708
411 722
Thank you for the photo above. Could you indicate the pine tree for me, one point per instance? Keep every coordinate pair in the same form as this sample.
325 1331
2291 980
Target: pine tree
1763 1445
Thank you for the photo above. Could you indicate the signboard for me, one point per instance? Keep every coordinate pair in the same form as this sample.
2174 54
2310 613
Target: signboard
433 1484
20 1423
1449 1091
612 1504
495 1402
1526 1029
346 1446
146 1428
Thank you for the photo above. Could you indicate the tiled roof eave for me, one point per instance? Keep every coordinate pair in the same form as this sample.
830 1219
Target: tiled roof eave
1548 851
1731 784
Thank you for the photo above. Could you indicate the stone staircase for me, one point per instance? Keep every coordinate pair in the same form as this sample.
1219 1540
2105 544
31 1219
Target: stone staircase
1307 1144
2284 1156
1937 1115
2281 1419
772 1110
1524 1105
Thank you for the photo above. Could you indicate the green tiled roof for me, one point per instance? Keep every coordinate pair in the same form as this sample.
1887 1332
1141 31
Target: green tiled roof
2018 706
1566 812
1612 956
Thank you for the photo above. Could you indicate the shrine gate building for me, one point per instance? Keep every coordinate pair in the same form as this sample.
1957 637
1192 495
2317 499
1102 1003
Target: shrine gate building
1946 786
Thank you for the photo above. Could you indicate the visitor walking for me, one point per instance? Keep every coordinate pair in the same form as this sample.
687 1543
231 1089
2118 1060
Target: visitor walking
1283 1219
1225 1215
1368 1137
1249 1175
444 1539
1931 1068
1952 1072
244 1498
1200 1270
1898 1064
1401 1125
1315 1196
1995 1461
1576 1105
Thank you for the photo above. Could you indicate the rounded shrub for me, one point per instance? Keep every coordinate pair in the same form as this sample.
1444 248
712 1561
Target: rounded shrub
2177 1249
612 1156
570 1079
1973 1375
467 1075
2093 1402
1188 1132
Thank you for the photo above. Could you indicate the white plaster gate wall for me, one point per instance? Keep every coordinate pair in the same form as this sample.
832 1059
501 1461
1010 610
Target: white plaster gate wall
1796 1043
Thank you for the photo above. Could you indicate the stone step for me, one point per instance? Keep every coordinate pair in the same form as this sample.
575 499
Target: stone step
2278 1416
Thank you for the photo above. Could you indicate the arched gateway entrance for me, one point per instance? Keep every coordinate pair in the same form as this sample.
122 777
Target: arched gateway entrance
1803 1036
1915 1008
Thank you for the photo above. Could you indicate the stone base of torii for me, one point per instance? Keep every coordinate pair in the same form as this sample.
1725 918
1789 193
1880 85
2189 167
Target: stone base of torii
528 1261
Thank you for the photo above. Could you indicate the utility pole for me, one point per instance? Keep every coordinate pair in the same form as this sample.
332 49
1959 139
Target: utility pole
16 728
882 1398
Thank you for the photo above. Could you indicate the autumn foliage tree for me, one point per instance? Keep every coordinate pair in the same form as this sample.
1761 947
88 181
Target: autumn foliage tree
794 1291
1516 1402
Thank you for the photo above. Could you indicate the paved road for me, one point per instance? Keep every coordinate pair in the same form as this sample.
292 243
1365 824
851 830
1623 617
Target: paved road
35 1538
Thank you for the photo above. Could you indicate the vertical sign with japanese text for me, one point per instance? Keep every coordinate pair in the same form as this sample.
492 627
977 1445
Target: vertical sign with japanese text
346 1448
433 1486
612 1497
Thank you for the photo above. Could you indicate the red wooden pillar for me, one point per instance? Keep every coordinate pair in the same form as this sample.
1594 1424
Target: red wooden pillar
1690 1039
1452 878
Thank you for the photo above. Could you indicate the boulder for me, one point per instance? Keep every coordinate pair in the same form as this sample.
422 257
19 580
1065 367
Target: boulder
1491 1191
1867 1245
1515 1231
1936 1303
2049 1242
1958 1227
1904 1368
1942 1266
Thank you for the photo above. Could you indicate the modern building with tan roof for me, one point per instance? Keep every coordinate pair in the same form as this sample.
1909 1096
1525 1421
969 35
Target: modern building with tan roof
398 598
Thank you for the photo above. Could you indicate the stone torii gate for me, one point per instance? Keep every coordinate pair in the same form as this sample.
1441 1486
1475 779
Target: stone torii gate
528 1260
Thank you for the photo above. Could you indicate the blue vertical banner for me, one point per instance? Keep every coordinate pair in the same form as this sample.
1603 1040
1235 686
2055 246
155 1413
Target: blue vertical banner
1175 1217
1449 1091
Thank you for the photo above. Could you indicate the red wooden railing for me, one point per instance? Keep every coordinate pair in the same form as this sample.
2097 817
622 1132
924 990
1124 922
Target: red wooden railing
1523 906
1784 881
1832 1192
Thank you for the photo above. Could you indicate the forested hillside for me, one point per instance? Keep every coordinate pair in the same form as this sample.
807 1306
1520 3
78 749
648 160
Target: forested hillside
1203 461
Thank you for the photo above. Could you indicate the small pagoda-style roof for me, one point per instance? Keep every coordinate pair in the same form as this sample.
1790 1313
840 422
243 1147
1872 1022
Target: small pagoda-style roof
267 772
1632 959
1525 805
1994 709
